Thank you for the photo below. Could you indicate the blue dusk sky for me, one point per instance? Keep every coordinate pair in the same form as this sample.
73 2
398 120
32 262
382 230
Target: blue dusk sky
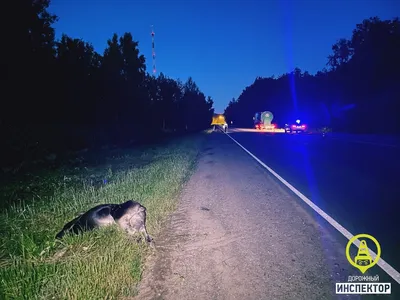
223 45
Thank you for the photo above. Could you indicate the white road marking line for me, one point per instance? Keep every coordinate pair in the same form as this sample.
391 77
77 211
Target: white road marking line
392 272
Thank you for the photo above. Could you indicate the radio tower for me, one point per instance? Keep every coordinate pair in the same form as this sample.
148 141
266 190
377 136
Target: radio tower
153 50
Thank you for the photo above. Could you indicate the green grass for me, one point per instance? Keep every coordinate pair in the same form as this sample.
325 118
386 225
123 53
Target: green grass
102 264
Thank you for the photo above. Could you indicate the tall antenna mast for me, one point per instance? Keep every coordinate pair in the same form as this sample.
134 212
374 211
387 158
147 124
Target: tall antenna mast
153 49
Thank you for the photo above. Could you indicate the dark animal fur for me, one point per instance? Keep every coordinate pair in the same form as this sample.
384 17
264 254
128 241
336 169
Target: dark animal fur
130 216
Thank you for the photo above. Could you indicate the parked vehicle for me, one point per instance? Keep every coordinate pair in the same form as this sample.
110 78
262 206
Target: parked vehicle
296 127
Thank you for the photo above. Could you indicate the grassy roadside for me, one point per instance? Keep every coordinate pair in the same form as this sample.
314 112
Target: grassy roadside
103 264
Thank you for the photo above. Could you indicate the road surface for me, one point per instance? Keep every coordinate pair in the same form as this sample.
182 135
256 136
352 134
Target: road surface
354 180
239 234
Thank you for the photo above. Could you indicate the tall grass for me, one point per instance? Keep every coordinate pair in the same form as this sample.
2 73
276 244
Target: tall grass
102 264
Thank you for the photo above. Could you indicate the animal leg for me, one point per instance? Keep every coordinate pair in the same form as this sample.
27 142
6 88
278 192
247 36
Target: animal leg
147 237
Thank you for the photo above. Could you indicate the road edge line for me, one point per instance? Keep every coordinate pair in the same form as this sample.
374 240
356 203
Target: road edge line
392 272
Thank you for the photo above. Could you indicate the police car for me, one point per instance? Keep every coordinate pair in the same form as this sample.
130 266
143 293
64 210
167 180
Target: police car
297 127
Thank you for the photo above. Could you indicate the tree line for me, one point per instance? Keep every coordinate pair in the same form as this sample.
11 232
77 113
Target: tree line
63 95
358 91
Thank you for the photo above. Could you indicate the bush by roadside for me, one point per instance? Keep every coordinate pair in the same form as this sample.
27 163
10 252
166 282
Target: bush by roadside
324 129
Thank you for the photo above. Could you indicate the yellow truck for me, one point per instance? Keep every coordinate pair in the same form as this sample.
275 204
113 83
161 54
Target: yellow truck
218 119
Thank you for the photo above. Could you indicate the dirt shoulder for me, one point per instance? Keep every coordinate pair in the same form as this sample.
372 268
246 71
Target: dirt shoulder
237 234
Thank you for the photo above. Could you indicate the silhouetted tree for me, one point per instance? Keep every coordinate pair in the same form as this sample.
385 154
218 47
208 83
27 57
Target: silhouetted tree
63 95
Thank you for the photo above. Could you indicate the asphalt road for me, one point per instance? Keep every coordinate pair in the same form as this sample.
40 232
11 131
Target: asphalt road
355 181
240 234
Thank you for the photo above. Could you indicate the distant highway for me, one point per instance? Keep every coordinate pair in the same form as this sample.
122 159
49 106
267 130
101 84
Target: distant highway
354 180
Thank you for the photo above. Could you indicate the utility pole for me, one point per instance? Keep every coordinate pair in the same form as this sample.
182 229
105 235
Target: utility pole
153 49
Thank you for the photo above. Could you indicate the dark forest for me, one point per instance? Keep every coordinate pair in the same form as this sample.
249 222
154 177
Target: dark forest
64 96
357 92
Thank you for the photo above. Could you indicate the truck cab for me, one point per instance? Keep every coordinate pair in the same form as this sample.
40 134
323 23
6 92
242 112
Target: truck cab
263 121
